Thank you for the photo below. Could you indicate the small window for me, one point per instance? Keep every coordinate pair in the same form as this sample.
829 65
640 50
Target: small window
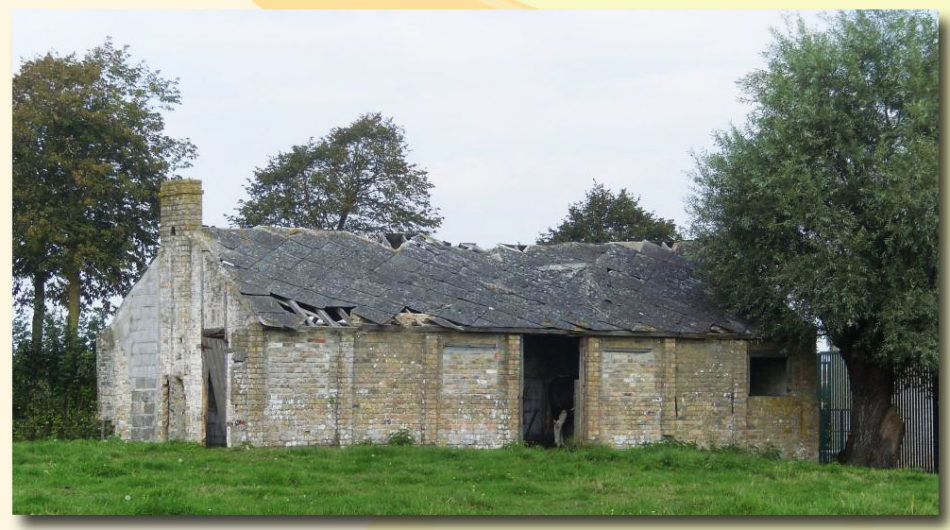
768 376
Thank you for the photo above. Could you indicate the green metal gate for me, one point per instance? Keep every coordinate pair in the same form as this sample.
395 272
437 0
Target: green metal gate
835 411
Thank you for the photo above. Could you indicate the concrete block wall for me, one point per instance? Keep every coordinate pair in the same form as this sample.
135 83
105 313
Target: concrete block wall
144 338
127 363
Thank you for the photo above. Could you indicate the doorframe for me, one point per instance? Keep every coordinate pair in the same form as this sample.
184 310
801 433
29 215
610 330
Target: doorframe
580 389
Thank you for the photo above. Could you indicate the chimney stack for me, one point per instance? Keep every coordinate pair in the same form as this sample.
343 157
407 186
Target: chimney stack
180 205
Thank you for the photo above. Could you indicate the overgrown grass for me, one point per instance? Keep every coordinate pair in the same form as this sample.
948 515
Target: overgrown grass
113 477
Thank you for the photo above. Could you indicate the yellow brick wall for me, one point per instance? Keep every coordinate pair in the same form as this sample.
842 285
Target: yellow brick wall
342 386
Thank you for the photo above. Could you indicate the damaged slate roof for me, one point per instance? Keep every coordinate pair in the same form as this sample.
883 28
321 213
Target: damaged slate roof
633 287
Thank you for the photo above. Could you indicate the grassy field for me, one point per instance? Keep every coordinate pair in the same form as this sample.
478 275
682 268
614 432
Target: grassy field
90 477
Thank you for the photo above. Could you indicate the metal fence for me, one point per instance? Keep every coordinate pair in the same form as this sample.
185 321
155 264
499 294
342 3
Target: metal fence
915 399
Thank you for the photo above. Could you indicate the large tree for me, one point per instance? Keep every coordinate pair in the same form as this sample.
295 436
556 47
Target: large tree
604 216
89 153
356 178
821 213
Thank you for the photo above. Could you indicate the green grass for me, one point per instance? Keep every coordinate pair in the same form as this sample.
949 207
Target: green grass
90 477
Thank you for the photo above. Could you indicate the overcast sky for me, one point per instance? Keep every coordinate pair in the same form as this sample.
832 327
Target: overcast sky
512 113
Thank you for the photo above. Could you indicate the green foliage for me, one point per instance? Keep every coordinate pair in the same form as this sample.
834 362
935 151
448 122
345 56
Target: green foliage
356 178
822 211
114 477
604 217
54 396
88 156
400 437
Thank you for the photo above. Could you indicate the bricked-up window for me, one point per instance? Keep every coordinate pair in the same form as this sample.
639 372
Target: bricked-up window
768 376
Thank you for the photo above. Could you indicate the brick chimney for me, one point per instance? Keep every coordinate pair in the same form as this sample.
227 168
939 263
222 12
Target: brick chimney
180 202
180 312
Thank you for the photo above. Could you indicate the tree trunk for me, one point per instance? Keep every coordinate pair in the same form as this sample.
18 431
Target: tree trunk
39 315
877 430
73 305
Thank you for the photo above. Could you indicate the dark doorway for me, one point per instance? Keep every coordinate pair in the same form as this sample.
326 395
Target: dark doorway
214 427
213 360
551 369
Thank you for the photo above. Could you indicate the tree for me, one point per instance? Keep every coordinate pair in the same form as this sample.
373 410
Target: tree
821 214
89 154
54 395
603 216
356 178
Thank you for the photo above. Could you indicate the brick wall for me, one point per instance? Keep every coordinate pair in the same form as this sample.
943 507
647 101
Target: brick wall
709 391
640 390
327 386
387 390
247 400
474 405
630 397
788 423
300 388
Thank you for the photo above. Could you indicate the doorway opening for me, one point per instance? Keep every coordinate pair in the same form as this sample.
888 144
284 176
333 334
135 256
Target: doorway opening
215 434
214 361
551 384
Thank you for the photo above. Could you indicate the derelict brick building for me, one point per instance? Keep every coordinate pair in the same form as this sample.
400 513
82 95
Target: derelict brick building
274 337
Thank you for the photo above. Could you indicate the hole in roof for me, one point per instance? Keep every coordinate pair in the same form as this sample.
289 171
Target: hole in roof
396 240
314 316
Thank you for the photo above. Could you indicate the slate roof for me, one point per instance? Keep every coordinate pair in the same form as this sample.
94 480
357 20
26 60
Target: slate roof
614 287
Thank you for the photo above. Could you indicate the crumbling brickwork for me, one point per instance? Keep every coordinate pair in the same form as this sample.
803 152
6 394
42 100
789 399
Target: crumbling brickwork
709 382
787 423
645 390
